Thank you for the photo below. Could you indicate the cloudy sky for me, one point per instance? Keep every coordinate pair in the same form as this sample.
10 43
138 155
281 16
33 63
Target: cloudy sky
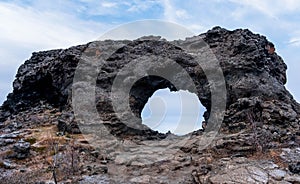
27 26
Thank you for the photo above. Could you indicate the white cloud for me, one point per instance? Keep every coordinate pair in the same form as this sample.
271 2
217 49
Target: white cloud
174 13
141 5
294 35
182 14
24 30
117 8
35 28
271 8
109 4
295 41
168 11
291 5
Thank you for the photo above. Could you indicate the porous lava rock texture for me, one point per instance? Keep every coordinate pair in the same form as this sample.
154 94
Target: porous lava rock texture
254 79
259 115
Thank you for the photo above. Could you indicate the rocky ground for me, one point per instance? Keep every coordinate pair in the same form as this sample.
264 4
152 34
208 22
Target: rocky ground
41 135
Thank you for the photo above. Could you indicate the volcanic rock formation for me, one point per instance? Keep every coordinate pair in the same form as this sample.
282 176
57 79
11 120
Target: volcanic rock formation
259 114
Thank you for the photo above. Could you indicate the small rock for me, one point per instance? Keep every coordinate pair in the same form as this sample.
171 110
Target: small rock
269 165
141 179
21 149
22 170
181 158
95 153
235 174
71 128
279 182
290 155
121 160
195 176
277 174
258 174
177 167
67 182
2 125
4 142
100 169
59 134
204 169
94 179
62 126
103 162
292 179
49 182
7 165
40 182
10 136
96 169
295 168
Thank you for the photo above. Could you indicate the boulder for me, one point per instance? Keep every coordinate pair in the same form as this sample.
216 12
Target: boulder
21 149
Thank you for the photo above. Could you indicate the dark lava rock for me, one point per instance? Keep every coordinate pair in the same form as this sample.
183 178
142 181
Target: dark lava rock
255 82
4 142
7 164
21 149
71 128
295 168
260 115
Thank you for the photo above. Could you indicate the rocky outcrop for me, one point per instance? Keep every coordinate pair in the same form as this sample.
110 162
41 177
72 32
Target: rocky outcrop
254 78
260 114
46 76
22 149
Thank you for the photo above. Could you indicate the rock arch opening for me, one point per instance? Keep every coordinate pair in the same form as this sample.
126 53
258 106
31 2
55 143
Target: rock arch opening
182 111
179 112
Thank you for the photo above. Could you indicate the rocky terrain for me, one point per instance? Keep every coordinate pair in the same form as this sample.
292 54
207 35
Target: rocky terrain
53 129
